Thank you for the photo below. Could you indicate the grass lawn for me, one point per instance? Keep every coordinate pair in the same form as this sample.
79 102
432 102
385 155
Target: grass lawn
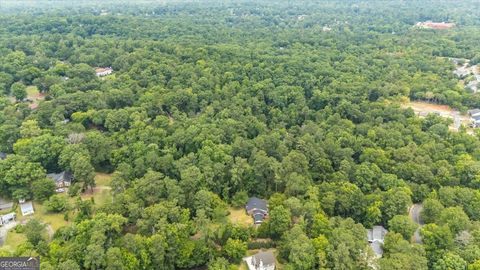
103 179
32 91
55 220
101 192
14 240
240 217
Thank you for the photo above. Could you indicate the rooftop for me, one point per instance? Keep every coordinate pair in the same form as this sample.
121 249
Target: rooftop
60 177
26 208
260 260
256 203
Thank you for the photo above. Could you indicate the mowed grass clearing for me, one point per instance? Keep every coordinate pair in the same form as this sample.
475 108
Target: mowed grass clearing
32 91
56 220
13 240
101 191
239 216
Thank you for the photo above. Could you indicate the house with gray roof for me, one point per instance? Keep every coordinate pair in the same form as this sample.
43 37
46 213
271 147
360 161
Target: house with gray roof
474 117
62 180
264 260
258 209
376 237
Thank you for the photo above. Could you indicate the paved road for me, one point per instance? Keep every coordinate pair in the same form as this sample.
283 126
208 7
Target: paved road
4 230
414 213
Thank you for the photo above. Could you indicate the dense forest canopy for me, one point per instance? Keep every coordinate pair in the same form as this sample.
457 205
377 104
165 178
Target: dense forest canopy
213 102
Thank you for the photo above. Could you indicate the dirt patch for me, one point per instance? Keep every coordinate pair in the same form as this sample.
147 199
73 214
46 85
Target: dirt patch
425 107
422 109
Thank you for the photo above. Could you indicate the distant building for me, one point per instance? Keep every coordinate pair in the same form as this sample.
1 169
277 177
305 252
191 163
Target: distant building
462 72
103 71
376 237
474 84
3 155
264 260
474 117
258 209
26 208
62 180
435 25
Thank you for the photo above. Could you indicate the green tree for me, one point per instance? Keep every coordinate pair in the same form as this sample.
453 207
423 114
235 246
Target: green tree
68 264
395 202
320 225
30 129
43 188
402 225
35 231
83 170
450 261
298 249
19 91
220 264
437 240
455 218
57 203
44 149
235 249
280 221
431 210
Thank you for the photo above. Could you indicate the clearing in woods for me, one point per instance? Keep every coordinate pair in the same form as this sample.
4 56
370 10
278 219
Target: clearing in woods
422 109
240 217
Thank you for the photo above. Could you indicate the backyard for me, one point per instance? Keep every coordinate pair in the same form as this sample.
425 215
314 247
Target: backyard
54 221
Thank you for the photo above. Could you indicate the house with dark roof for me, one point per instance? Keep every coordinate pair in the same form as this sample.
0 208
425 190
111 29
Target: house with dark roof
474 117
62 180
258 209
376 237
264 260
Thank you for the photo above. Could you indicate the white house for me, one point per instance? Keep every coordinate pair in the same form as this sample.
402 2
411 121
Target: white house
264 260
27 208
103 71
5 219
